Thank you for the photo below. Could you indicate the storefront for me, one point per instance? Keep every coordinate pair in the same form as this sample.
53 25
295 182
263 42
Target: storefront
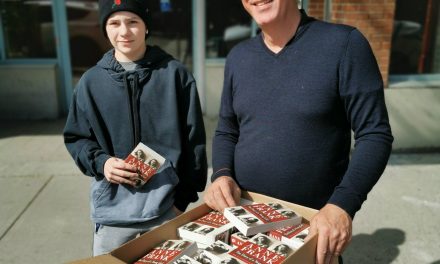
64 38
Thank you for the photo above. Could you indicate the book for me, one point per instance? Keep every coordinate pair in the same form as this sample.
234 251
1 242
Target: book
147 162
207 229
260 217
261 249
287 232
237 239
292 235
168 251
217 252
186 260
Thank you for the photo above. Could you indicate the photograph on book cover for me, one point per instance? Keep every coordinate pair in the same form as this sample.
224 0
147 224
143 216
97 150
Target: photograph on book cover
146 161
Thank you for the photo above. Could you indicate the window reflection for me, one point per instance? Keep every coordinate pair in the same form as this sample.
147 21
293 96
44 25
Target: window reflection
28 29
415 42
227 24
87 43
170 29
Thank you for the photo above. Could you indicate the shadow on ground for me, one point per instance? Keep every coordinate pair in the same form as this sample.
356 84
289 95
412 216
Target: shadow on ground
381 247
414 158
12 128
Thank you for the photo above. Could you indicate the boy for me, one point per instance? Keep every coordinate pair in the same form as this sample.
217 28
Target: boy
136 93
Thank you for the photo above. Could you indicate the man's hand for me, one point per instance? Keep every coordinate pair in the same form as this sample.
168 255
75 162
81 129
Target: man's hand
223 192
334 227
117 171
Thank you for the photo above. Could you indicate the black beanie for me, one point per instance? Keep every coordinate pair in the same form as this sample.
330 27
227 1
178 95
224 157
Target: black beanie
108 7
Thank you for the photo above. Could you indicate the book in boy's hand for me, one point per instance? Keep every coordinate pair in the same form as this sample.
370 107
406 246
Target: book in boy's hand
146 161
207 229
260 217
168 251
261 249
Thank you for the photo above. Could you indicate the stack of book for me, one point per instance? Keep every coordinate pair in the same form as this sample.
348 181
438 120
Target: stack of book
261 217
207 229
264 233
168 251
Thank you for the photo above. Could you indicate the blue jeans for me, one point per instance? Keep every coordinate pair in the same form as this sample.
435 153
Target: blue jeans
107 238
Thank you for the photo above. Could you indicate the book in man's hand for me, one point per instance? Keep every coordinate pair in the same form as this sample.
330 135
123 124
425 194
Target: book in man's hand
260 217
207 229
168 251
146 161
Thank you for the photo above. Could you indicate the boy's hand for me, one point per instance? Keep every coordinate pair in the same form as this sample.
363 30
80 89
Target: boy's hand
117 171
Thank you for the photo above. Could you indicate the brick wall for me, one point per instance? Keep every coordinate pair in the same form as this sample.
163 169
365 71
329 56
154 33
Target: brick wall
316 9
374 18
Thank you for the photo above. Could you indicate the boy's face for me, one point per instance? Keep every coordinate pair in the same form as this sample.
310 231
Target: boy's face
126 32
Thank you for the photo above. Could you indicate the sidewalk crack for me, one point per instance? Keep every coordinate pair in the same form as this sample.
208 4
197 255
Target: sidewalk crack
26 207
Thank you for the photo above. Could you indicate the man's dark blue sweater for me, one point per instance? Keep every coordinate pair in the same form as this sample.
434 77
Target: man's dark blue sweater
285 120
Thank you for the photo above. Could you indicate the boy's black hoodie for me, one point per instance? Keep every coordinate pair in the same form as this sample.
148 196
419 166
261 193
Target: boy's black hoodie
113 109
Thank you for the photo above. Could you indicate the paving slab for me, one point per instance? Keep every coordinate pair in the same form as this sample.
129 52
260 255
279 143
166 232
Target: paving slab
44 208
55 228
40 154
399 221
16 194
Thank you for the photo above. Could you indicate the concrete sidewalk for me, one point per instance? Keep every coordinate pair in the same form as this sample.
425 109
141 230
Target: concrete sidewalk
44 209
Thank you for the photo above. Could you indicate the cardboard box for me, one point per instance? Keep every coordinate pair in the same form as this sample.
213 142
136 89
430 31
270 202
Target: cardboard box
137 248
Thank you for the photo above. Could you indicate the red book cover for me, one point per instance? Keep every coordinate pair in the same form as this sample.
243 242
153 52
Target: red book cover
146 161
252 253
264 212
207 229
288 231
262 249
260 217
238 239
168 251
214 219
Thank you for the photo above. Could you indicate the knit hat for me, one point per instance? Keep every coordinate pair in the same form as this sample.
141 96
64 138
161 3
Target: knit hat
108 7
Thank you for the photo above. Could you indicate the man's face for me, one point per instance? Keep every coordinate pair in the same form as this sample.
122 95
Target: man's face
265 12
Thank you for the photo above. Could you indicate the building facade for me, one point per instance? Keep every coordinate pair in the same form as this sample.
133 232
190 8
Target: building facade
45 45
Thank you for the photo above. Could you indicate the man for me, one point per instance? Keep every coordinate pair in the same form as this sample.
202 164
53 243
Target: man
291 97
127 98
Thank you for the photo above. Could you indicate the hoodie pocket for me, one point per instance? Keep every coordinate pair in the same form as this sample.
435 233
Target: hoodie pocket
124 204
99 188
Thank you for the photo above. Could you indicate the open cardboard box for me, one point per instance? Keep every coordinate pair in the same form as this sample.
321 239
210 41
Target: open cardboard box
139 247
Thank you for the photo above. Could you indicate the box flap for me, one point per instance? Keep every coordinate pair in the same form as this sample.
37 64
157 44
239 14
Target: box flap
137 248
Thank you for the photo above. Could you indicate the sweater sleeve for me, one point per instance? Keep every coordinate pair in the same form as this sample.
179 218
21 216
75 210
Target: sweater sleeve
81 142
361 91
194 161
227 132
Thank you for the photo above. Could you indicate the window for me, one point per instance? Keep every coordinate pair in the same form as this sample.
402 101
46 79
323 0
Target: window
27 27
227 23
416 38
171 28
